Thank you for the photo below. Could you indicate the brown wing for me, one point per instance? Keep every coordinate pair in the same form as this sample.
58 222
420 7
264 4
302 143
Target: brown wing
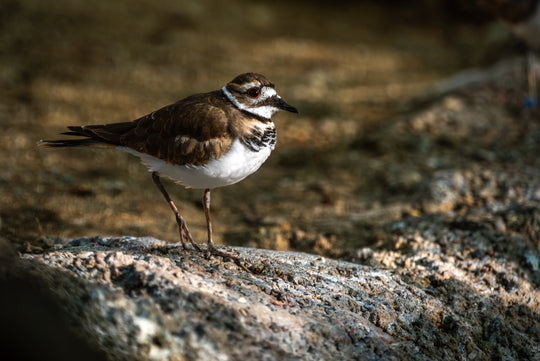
190 131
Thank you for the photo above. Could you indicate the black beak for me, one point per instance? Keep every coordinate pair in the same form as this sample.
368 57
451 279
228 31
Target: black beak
280 103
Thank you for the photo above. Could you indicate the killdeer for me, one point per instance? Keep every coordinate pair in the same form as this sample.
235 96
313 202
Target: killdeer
203 141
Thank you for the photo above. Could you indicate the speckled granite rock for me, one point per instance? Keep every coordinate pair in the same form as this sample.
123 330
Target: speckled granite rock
144 299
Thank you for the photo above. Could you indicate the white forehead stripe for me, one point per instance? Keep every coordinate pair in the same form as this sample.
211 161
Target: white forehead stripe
267 92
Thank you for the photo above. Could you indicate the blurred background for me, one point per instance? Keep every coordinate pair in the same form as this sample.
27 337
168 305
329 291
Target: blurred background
365 75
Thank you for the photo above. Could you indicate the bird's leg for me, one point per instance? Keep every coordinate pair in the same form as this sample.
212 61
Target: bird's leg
182 225
211 249
206 206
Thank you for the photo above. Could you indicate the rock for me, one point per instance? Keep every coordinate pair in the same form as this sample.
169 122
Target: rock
144 299
35 323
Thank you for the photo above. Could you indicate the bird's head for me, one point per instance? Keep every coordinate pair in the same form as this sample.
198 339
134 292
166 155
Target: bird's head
255 94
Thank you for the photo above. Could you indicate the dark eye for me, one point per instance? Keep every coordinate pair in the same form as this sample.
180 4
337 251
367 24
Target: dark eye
254 92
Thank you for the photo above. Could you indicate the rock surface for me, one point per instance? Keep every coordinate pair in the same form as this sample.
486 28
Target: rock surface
144 299
450 271
434 199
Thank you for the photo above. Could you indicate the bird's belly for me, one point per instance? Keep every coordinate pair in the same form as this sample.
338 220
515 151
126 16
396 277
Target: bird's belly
232 167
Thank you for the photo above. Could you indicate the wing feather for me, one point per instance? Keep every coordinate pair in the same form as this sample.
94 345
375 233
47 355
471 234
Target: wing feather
190 131
187 132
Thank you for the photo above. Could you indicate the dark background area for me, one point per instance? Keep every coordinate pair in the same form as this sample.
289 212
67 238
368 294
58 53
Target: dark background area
351 68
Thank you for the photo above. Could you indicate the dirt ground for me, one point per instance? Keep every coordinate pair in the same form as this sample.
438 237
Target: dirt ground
357 157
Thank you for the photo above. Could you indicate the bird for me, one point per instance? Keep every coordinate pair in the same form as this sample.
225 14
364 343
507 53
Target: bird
203 141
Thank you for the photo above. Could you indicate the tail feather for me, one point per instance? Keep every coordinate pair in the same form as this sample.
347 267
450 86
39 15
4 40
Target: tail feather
86 142
71 133
104 136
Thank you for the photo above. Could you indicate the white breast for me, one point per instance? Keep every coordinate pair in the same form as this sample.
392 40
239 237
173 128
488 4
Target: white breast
232 167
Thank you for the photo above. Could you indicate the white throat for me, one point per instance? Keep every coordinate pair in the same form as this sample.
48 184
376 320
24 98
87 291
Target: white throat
265 111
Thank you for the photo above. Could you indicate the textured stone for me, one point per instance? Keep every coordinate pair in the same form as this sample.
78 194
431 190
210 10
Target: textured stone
144 299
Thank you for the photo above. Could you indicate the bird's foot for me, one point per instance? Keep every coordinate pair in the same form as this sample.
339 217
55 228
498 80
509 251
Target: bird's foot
211 250
185 234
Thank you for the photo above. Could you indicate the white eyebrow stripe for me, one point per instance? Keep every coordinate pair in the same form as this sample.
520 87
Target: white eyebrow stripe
245 87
